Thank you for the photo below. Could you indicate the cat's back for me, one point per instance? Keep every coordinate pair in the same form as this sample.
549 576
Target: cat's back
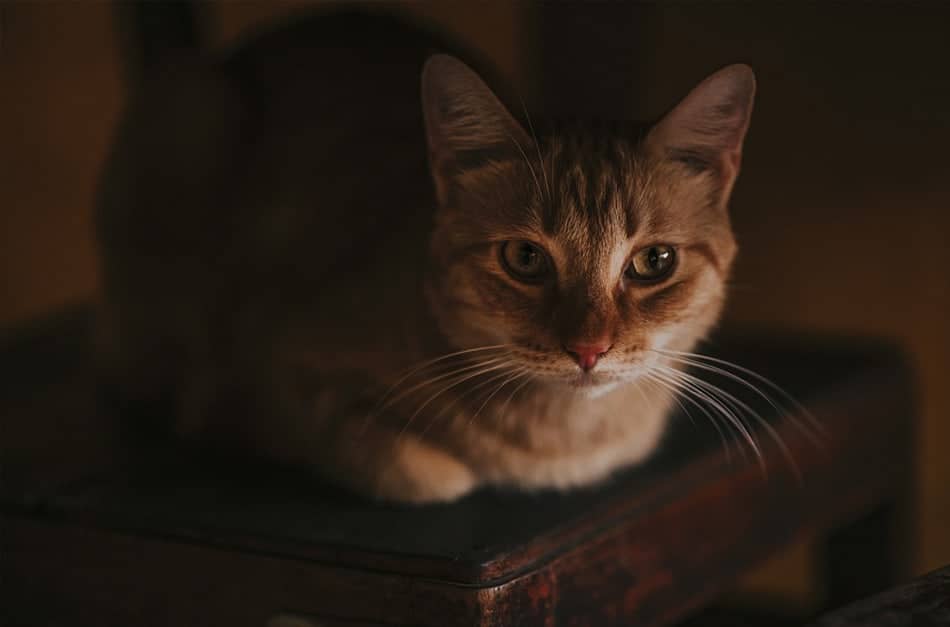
336 152
352 49
251 177
333 91
313 122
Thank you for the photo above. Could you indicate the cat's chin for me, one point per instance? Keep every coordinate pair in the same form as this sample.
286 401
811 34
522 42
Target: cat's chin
596 391
592 385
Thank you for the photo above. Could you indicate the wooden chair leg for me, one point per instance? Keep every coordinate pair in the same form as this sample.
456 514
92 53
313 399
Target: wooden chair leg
876 551
861 558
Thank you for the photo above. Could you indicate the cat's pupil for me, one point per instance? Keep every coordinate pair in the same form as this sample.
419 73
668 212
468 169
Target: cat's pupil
523 260
528 256
651 263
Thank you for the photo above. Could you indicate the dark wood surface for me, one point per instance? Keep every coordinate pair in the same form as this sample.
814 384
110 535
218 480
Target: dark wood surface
164 535
924 602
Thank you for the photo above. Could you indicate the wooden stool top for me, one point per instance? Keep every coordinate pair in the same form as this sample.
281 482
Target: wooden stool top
647 545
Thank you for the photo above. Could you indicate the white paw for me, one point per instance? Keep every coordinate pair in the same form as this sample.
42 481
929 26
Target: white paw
420 473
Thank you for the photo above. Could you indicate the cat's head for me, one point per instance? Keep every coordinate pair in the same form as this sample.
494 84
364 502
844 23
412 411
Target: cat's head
584 250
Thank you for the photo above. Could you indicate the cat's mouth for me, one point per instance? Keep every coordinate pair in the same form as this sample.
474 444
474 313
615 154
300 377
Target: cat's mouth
590 379
592 384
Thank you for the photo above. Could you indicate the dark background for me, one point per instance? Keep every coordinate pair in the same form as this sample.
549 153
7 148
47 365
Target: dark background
842 210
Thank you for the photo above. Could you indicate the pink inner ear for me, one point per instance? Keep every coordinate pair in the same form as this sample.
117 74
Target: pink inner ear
712 120
461 112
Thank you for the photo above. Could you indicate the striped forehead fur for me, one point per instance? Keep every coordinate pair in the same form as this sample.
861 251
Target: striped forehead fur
594 168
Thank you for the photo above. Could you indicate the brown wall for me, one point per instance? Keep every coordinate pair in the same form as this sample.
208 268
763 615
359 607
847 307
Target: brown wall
59 97
842 211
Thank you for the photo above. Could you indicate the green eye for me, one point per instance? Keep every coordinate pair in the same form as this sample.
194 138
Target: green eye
651 264
524 261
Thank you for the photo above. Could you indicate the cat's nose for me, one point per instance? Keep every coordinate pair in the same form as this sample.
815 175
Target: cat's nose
586 355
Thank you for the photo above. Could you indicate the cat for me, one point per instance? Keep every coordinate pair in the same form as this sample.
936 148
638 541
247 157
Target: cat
340 250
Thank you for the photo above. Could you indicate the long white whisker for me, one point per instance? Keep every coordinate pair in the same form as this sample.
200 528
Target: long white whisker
537 146
449 387
717 404
734 403
700 400
513 377
676 393
479 386
815 423
813 437
646 401
681 378
503 411
455 402
527 161
740 405
415 369
436 379
381 407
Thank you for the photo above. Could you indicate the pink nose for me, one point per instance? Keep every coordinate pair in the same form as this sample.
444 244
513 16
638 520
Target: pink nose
586 355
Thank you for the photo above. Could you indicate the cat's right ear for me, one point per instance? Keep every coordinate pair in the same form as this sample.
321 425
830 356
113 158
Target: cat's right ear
466 124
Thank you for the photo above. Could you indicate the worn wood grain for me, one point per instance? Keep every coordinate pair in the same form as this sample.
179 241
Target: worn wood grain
924 602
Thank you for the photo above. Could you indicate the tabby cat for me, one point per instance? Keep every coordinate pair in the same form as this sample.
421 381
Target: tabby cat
407 289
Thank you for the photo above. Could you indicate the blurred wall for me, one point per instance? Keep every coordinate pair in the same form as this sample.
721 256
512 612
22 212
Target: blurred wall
59 97
842 210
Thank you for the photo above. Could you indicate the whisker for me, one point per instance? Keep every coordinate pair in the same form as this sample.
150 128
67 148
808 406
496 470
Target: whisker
816 424
813 437
742 406
646 401
728 415
436 379
503 412
513 377
415 369
718 403
648 376
451 385
380 407
537 147
527 161
456 402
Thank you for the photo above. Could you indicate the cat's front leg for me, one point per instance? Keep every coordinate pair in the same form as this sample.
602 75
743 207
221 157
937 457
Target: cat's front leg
418 472
378 461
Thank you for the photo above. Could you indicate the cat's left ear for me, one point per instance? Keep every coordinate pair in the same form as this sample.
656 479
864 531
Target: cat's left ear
465 122
706 130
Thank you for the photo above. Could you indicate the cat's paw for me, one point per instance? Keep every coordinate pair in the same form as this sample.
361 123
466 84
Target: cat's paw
420 473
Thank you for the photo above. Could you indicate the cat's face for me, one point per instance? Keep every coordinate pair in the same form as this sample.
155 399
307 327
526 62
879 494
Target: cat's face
586 251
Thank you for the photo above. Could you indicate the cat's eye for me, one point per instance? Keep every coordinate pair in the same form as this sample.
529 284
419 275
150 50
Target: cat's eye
525 261
651 264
